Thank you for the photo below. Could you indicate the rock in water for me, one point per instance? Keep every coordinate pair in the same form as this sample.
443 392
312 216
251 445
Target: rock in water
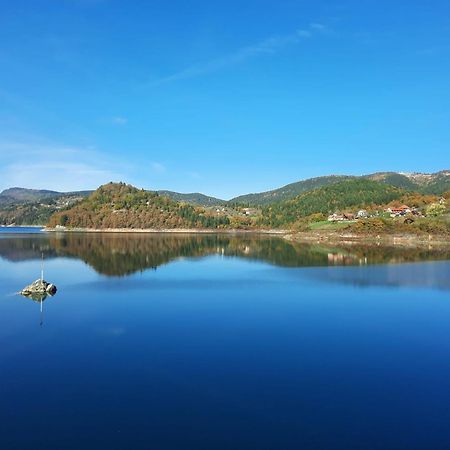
51 289
39 287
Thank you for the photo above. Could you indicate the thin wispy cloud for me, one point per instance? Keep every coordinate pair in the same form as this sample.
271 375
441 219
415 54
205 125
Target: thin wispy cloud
157 167
268 46
119 120
318 27
54 166
194 175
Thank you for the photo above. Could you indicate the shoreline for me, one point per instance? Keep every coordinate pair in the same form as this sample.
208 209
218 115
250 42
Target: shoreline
22 226
406 240
164 231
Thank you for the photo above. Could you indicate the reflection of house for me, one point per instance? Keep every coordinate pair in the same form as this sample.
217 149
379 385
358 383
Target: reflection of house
341 259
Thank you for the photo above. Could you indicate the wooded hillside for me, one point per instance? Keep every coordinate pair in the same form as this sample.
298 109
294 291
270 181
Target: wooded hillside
118 205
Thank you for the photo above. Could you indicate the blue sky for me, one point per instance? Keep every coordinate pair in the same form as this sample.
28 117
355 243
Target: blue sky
220 97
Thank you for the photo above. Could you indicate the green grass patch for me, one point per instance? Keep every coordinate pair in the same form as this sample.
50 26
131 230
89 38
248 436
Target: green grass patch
326 225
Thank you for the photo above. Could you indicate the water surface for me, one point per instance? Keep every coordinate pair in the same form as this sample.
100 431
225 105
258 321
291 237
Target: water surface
211 342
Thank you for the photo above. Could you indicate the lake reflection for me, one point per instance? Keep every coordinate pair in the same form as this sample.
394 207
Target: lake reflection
234 342
120 254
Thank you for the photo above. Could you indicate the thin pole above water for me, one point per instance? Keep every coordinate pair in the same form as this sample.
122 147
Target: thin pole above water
42 266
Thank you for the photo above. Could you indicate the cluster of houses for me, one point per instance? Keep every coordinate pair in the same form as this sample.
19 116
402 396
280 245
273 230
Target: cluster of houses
250 211
403 211
236 212
342 217
62 202
400 211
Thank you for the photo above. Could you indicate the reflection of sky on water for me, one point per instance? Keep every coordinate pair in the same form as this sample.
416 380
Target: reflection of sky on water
282 355
434 275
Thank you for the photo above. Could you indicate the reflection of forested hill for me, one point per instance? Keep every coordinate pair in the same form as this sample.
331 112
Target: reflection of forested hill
119 254
26 247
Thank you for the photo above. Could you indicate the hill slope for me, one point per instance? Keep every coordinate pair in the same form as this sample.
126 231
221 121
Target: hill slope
394 179
118 205
425 183
34 207
194 198
21 206
434 183
17 195
328 199
289 191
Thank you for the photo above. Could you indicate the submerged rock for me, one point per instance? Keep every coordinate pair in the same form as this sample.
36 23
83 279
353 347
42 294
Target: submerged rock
36 297
39 288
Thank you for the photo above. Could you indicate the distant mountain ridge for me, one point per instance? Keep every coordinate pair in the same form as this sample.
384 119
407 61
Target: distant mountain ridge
195 198
425 183
290 190
23 206
16 195
433 183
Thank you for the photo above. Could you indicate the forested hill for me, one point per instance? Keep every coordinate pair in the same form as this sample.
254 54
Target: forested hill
118 205
433 183
329 199
425 183
289 191
22 206
194 198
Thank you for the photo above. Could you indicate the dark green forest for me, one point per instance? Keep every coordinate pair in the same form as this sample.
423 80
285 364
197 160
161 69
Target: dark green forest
328 199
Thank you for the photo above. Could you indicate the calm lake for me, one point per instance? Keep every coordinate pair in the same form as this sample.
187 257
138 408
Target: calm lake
222 342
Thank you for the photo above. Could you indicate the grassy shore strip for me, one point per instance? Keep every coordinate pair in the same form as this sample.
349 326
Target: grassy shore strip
401 239
168 230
